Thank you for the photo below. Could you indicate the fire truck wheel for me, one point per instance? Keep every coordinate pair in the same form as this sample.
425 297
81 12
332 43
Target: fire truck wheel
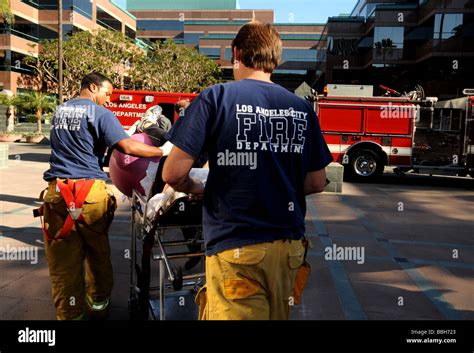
365 164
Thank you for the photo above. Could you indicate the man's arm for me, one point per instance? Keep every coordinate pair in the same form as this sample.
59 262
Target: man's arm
315 182
138 149
176 172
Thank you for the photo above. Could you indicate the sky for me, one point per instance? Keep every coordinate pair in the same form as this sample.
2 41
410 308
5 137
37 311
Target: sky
301 11
298 11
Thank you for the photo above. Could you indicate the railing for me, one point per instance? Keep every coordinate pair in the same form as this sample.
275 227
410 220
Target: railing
20 34
82 12
15 69
102 23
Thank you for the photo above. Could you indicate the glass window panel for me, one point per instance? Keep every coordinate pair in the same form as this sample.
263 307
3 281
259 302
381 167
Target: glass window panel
192 38
108 21
451 24
46 33
130 33
160 25
84 7
299 55
389 37
213 53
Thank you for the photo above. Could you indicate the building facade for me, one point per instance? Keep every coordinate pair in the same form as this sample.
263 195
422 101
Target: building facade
35 20
210 25
400 44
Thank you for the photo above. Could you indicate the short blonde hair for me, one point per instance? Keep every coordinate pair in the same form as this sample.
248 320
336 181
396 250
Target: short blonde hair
260 46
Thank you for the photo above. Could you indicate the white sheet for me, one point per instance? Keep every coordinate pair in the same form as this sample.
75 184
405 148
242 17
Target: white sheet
159 200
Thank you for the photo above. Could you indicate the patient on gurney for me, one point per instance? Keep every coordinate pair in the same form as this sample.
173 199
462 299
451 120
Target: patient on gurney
160 201
156 125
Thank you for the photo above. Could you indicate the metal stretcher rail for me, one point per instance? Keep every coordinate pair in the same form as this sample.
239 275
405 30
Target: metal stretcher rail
153 247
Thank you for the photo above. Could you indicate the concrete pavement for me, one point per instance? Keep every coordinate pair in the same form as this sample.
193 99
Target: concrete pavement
403 248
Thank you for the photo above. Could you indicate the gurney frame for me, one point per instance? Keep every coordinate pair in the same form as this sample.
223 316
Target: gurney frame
150 237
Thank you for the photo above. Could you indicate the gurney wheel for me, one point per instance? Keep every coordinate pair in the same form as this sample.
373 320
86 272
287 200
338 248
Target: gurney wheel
178 279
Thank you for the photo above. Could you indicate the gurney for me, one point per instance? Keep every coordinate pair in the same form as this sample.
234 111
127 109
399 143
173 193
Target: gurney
154 220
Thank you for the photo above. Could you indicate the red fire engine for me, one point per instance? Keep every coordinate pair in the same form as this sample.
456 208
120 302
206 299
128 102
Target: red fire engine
365 133
411 132
130 106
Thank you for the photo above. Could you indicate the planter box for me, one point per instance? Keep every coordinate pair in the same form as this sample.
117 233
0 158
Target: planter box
10 137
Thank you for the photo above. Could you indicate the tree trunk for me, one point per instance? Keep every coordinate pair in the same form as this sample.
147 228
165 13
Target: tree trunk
39 116
10 114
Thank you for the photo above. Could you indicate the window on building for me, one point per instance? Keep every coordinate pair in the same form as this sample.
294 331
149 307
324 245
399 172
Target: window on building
370 8
388 37
53 4
366 42
358 8
84 7
290 72
69 30
17 64
47 33
108 21
34 3
447 25
48 4
213 53
228 54
299 55
158 40
342 46
192 38
5 60
365 9
21 27
160 25
130 33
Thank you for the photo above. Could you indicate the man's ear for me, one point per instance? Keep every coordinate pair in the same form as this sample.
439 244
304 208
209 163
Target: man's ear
236 53
93 88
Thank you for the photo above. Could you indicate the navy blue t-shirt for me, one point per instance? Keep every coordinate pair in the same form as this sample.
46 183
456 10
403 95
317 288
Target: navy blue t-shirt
80 132
261 140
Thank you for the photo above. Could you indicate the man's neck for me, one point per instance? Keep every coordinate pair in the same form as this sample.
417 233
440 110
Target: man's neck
86 95
250 74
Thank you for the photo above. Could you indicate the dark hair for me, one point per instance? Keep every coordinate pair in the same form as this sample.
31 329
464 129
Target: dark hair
94 78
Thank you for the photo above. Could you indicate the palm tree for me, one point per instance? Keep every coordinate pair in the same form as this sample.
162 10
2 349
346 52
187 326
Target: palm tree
8 99
39 102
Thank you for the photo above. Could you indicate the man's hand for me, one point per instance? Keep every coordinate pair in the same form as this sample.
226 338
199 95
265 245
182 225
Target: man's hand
138 149
176 172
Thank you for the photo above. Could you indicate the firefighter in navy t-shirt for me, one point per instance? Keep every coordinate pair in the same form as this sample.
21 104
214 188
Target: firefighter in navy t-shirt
266 152
78 208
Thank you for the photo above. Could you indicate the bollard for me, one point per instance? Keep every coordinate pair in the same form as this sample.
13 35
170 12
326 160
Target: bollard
335 174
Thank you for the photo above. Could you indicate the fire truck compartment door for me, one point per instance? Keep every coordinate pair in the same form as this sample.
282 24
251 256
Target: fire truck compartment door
390 119
341 118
